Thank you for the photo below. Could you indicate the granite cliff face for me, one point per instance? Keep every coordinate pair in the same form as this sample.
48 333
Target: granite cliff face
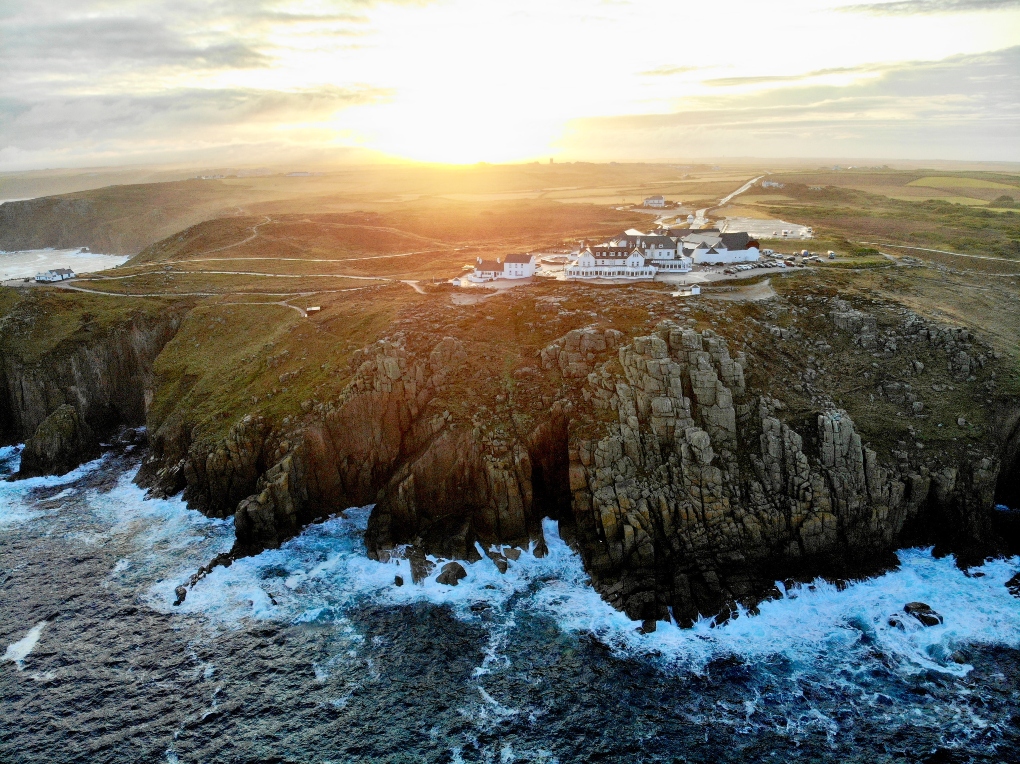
689 474
699 494
62 402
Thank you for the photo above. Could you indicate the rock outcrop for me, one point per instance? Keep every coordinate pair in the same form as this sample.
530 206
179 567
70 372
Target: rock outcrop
684 473
104 378
62 442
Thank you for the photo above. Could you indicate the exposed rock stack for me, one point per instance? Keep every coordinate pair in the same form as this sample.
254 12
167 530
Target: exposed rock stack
699 495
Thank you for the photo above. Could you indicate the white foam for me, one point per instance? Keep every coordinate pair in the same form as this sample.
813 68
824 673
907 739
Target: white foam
15 509
18 651
320 574
324 573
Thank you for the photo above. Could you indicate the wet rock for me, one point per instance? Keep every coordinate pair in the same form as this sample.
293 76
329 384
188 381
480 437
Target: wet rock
62 442
181 593
452 573
1014 585
398 580
923 613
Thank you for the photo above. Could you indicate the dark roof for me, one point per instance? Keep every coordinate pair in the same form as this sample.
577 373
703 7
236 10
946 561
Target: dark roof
680 232
517 259
62 271
665 241
735 240
611 251
711 251
489 265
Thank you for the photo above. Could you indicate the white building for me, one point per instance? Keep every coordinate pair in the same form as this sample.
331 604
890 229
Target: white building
664 252
513 267
58 274
610 262
713 248
518 266
655 201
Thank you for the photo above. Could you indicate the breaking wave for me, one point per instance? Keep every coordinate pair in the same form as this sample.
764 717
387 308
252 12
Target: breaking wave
840 645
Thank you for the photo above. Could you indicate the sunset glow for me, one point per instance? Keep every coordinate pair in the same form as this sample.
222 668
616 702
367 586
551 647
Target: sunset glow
478 80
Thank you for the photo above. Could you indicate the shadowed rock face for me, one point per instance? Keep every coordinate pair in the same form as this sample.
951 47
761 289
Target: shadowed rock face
62 442
103 381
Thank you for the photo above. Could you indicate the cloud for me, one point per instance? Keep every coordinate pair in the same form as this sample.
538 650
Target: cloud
669 71
912 7
780 78
961 107
131 125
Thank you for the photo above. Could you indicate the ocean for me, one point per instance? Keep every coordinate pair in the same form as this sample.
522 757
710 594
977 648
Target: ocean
312 653
27 263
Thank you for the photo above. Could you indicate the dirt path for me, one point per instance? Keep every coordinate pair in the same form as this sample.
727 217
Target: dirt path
289 295
254 234
940 252
751 293
243 273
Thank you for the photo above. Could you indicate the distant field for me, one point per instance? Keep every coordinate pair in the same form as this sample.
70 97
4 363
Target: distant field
944 181
970 200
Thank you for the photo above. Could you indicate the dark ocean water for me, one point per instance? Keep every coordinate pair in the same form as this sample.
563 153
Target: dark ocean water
310 653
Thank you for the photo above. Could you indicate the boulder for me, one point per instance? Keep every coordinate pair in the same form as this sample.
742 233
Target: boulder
451 573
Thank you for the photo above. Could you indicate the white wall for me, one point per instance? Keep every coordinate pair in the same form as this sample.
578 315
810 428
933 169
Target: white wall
701 256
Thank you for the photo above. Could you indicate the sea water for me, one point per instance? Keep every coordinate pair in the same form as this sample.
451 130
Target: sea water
27 263
312 653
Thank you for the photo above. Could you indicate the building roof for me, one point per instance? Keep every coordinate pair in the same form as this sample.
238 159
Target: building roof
489 265
735 240
62 271
612 252
657 196
518 258
665 241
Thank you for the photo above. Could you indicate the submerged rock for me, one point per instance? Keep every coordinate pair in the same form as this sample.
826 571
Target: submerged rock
923 613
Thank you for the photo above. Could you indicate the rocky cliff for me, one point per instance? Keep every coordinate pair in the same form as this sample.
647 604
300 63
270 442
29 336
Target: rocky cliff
693 460
63 399
689 474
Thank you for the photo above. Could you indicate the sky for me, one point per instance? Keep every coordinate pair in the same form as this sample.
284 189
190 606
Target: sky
113 82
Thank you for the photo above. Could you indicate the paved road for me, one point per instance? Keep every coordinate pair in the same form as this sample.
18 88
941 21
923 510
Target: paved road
699 215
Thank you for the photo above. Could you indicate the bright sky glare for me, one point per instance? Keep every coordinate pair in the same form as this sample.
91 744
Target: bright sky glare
110 81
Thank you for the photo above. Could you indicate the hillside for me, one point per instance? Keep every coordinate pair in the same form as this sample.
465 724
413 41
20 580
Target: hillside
117 220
